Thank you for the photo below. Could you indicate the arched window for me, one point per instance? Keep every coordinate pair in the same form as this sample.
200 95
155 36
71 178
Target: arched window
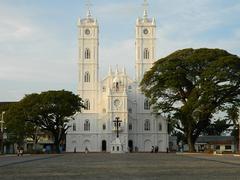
87 104
146 104
86 125
147 125
104 126
86 77
146 53
160 126
87 54
74 127
130 126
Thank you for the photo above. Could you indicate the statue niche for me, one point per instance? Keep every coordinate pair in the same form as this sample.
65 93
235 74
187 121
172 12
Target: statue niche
117 84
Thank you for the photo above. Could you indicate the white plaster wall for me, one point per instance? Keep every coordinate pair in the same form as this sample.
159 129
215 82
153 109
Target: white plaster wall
103 99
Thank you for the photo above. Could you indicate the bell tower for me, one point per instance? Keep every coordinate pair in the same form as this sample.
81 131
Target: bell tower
88 61
145 43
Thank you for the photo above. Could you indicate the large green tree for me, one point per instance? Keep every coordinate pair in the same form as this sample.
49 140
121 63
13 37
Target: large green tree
191 86
4 107
217 128
233 116
17 128
49 111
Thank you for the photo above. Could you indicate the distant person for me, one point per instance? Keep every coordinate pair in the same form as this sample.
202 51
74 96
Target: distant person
86 150
18 151
152 149
136 149
21 151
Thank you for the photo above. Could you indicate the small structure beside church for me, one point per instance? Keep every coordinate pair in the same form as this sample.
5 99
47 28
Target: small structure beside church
115 96
219 144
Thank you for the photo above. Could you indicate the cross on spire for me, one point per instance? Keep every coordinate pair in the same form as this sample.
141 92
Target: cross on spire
88 5
145 8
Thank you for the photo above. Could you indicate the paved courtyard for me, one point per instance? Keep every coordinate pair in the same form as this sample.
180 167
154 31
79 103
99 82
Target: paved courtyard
120 166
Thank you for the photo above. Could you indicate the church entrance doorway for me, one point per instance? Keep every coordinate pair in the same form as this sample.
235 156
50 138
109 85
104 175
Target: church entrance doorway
86 146
130 145
147 146
104 146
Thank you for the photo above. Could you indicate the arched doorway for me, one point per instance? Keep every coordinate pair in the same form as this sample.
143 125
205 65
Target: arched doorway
147 145
104 145
130 145
87 145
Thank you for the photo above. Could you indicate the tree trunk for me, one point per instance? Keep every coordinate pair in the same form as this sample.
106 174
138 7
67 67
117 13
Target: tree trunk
56 146
56 142
191 143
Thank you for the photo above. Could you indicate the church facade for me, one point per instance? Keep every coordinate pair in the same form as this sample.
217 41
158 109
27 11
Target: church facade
116 96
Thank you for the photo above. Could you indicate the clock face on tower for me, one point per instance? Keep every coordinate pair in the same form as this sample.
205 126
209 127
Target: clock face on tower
116 102
87 31
145 31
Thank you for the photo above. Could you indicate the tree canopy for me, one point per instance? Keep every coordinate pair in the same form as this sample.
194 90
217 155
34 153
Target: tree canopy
17 128
49 111
191 85
217 128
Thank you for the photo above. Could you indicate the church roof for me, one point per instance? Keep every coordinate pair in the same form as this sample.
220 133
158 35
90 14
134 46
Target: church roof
215 139
88 20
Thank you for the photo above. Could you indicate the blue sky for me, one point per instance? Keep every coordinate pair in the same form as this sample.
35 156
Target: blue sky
38 38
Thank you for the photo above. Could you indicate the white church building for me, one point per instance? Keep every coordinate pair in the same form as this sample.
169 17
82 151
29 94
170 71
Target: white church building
116 96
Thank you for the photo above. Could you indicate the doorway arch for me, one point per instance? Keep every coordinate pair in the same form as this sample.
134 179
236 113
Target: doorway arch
147 145
104 145
130 145
87 145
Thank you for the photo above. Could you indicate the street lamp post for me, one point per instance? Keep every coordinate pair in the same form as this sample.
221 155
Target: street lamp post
2 121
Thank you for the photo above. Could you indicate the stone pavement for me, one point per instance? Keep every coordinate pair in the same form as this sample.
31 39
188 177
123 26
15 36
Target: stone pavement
8 160
120 166
220 158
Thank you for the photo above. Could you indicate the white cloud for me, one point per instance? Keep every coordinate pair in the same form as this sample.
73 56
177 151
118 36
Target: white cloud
22 32
28 51
12 30
198 24
32 58
37 56
12 26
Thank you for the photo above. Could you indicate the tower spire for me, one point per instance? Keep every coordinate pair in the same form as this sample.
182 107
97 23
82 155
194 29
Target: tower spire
145 9
88 5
